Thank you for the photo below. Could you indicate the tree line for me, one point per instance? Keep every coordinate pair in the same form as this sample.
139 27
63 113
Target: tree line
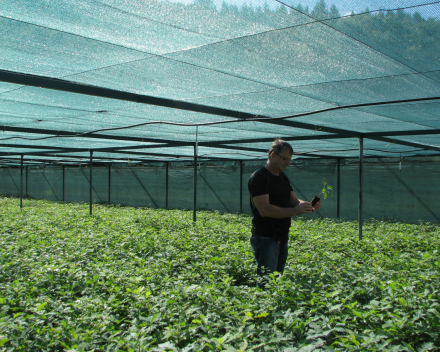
411 38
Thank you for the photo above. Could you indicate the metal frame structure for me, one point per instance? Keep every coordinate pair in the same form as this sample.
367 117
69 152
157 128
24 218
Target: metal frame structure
62 85
332 133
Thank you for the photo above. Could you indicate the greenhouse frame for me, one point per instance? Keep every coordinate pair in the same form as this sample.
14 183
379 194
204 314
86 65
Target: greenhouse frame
175 103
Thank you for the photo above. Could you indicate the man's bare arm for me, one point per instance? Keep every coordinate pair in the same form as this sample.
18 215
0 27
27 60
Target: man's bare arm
294 201
272 211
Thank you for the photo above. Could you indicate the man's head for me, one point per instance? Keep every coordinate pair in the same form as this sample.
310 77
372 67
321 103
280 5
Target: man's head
279 155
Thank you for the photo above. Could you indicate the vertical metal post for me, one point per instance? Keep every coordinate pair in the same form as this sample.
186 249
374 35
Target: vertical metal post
195 183
21 182
27 181
109 182
91 183
338 185
241 186
166 184
64 183
361 161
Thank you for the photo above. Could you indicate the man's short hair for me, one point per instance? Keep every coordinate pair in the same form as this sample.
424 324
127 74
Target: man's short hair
279 146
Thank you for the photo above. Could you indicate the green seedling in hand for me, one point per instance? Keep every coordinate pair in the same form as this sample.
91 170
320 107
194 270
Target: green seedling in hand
326 191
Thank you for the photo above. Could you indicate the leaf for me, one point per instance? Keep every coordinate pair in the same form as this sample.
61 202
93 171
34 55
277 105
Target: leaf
243 345
335 307
262 315
357 313
427 346
340 329
73 333
154 318
3 341
191 288
321 334
41 306
164 346
353 339
307 348
138 290
403 302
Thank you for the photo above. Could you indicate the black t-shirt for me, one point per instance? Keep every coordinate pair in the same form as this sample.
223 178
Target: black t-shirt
262 182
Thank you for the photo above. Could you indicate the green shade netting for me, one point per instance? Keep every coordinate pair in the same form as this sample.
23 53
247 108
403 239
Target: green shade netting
300 60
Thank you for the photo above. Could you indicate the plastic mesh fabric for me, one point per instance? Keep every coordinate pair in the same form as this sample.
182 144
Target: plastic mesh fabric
268 59
218 186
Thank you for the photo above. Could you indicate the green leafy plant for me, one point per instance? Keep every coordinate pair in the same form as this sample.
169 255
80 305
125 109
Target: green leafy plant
326 191
142 279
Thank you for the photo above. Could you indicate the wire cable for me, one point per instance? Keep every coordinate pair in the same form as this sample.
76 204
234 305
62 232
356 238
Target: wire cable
255 119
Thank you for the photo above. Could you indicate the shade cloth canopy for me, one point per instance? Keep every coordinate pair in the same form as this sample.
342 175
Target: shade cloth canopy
151 80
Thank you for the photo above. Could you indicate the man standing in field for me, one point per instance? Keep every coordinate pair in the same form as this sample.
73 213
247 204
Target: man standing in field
273 203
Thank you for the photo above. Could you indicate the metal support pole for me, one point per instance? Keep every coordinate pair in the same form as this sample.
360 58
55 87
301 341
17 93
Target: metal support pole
361 161
195 183
27 181
166 185
91 183
241 186
338 185
109 182
21 182
64 183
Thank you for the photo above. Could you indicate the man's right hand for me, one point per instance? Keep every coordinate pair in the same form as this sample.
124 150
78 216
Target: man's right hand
303 208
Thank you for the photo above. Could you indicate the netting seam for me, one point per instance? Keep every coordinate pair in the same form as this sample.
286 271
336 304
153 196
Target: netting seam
367 79
262 119
230 40
359 41
155 21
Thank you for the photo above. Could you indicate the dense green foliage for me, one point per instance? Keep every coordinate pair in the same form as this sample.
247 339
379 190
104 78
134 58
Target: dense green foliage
129 279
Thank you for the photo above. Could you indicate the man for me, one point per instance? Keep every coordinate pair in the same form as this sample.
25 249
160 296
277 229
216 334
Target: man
273 203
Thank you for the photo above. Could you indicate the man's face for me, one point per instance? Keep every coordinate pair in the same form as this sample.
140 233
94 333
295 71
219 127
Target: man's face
281 160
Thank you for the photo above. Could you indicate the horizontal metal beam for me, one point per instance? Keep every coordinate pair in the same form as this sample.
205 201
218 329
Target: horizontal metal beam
406 143
73 87
79 88
59 133
172 143
105 160
425 132
223 143
54 149
57 154
379 136
67 160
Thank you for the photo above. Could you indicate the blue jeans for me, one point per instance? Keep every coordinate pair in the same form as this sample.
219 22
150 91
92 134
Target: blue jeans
270 255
